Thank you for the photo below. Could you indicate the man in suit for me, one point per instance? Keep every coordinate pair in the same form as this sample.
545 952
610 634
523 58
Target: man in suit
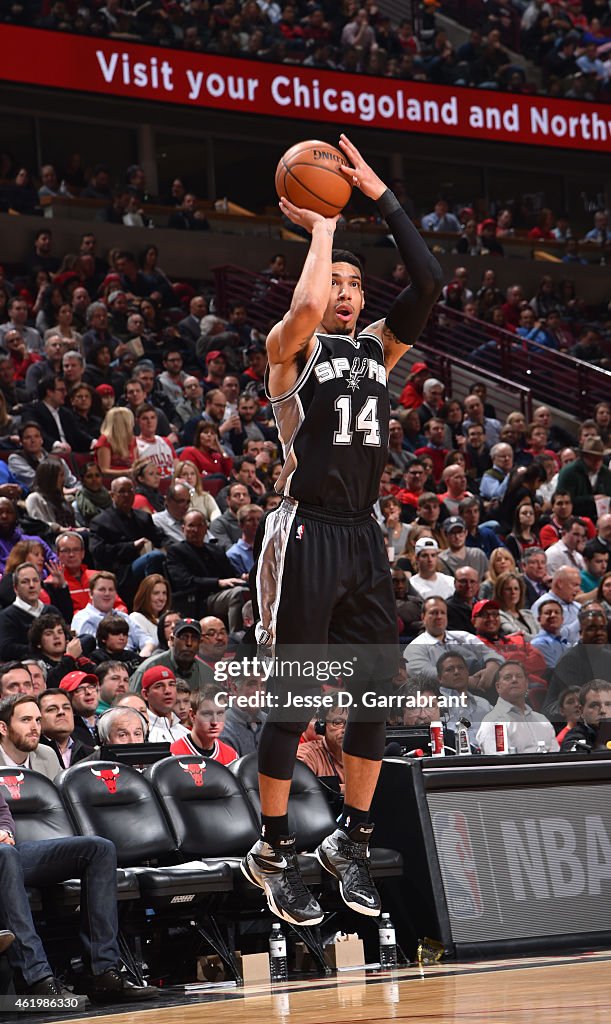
57 724
535 574
120 536
197 568
16 620
190 327
58 425
20 737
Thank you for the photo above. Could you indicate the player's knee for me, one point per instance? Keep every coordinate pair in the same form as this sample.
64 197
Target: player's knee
365 739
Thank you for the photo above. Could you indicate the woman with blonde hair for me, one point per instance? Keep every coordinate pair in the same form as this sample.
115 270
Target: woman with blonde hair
510 593
115 449
501 560
153 598
201 500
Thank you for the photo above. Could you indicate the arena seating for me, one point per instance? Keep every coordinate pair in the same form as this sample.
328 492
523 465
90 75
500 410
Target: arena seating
180 830
330 37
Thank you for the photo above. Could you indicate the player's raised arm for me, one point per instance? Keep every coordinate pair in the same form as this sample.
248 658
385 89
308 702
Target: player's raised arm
294 333
410 310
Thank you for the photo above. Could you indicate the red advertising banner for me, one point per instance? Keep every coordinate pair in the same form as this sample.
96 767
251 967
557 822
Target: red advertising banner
115 68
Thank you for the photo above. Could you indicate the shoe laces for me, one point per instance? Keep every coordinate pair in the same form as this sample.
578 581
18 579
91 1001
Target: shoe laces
358 853
293 875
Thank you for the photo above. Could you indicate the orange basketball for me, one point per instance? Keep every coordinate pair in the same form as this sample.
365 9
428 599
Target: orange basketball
309 176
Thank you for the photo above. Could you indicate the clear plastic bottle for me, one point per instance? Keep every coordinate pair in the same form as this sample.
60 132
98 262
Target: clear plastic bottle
388 942
278 969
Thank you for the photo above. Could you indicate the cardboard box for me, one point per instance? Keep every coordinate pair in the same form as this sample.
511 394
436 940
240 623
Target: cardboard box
346 951
254 967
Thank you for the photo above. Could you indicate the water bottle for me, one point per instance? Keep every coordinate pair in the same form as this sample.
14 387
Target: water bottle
388 942
278 969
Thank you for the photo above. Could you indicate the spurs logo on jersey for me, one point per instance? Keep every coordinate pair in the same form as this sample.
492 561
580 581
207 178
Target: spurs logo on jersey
333 424
357 370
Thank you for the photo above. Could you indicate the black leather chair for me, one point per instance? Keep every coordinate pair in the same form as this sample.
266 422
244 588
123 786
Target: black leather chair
211 816
310 816
39 814
118 802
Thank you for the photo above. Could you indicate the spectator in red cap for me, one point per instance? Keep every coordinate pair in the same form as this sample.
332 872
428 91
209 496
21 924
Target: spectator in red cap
159 692
486 617
411 396
83 689
216 368
107 396
488 239
208 708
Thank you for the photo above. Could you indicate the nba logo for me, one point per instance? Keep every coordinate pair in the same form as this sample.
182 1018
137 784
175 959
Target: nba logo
299 533
458 867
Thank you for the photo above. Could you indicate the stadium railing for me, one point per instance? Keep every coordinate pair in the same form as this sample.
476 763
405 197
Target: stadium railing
452 342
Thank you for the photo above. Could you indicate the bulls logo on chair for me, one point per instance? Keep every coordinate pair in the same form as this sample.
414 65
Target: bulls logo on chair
13 784
195 770
109 776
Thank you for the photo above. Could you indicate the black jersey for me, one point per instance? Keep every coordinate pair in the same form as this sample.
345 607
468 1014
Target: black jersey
333 425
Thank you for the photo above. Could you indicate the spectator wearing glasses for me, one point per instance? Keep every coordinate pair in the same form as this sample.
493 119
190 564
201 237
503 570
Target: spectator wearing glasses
324 755
170 520
214 643
415 482
460 604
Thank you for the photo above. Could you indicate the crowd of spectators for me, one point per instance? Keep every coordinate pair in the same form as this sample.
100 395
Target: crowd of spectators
139 455
568 40
551 315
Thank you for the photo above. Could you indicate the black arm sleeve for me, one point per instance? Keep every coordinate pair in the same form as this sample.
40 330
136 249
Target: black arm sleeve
410 310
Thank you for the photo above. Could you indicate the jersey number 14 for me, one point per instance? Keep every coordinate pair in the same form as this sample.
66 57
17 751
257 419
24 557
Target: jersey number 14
366 422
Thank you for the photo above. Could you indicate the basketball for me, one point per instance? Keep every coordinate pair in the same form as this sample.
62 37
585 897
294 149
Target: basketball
308 175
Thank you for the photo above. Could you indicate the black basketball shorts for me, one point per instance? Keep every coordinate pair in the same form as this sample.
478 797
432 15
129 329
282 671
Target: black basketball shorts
323 579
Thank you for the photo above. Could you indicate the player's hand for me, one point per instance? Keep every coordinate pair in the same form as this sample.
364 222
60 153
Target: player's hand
306 218
360 174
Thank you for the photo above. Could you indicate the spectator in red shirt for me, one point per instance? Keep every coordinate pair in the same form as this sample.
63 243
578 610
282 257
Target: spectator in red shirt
206 452
435 433
208 718
543 230
411 396
415 480
70 552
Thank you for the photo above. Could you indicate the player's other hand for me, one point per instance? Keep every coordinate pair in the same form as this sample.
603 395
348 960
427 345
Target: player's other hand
305 218
360 174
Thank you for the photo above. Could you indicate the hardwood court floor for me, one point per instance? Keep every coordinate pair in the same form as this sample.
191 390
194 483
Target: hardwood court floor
537 990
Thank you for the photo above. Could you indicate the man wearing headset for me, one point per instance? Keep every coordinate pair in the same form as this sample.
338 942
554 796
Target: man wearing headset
324 754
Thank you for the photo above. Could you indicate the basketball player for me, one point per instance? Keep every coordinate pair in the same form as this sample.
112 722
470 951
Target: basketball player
323 575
